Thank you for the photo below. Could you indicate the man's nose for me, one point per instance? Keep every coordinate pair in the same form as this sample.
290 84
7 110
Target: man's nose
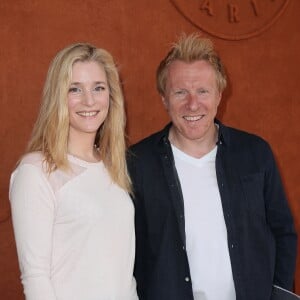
192 101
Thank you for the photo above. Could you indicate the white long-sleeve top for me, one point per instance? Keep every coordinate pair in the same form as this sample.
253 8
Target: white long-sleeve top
74 232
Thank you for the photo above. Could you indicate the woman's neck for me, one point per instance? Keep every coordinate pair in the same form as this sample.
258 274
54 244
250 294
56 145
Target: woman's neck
84 149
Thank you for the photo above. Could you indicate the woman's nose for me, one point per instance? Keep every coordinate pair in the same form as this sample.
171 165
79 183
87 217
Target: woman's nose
88 98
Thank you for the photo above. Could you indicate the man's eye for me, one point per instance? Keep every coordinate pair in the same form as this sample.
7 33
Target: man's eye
202 91
180 92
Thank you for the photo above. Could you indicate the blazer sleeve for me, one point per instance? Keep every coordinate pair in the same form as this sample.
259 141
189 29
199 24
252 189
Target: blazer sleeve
141 232
32 206
281 222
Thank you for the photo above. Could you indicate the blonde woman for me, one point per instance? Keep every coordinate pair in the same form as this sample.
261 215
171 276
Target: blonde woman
72 215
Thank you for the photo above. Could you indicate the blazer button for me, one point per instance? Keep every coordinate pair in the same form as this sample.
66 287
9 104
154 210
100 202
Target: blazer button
187 279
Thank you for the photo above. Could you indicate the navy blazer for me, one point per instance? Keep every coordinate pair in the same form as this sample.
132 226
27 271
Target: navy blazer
261 235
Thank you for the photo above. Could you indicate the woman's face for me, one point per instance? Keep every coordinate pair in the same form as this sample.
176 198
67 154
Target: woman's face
88 99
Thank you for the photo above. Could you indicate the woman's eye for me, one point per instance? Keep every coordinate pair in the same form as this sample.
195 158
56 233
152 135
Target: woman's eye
99 88
74 90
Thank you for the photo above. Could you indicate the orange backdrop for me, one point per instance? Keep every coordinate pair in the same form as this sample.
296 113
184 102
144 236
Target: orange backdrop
262 97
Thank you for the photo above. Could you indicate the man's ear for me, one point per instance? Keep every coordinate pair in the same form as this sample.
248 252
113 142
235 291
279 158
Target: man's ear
220 97
165 102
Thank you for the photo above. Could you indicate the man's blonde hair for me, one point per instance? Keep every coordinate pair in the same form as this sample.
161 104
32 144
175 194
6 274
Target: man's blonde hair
191 48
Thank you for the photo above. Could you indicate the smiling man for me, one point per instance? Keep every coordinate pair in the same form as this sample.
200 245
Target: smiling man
212 219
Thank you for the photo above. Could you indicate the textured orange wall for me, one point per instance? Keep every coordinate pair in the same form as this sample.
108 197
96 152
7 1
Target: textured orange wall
263 96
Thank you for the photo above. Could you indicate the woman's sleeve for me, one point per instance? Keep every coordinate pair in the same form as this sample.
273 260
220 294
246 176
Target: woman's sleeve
33 206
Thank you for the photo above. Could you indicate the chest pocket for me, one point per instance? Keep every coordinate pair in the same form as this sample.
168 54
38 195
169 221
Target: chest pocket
253 190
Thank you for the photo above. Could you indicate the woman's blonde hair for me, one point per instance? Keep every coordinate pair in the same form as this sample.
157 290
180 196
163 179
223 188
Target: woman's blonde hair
190 48
50 132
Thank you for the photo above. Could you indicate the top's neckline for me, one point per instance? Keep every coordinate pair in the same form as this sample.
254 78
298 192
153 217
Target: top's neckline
82 162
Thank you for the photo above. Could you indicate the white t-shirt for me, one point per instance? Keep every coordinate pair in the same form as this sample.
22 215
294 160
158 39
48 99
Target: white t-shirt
206 234
74 232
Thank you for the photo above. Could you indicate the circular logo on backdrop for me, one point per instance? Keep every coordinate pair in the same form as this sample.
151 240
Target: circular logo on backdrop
234 19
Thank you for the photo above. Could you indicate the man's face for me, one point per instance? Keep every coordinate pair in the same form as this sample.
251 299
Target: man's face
192 99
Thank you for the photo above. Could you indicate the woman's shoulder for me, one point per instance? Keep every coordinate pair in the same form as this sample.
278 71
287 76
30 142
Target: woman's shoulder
32 162
32 158
29 169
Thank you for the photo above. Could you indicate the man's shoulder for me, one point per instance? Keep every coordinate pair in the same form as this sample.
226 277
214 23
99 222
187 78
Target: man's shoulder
146 141
240 138
149 143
